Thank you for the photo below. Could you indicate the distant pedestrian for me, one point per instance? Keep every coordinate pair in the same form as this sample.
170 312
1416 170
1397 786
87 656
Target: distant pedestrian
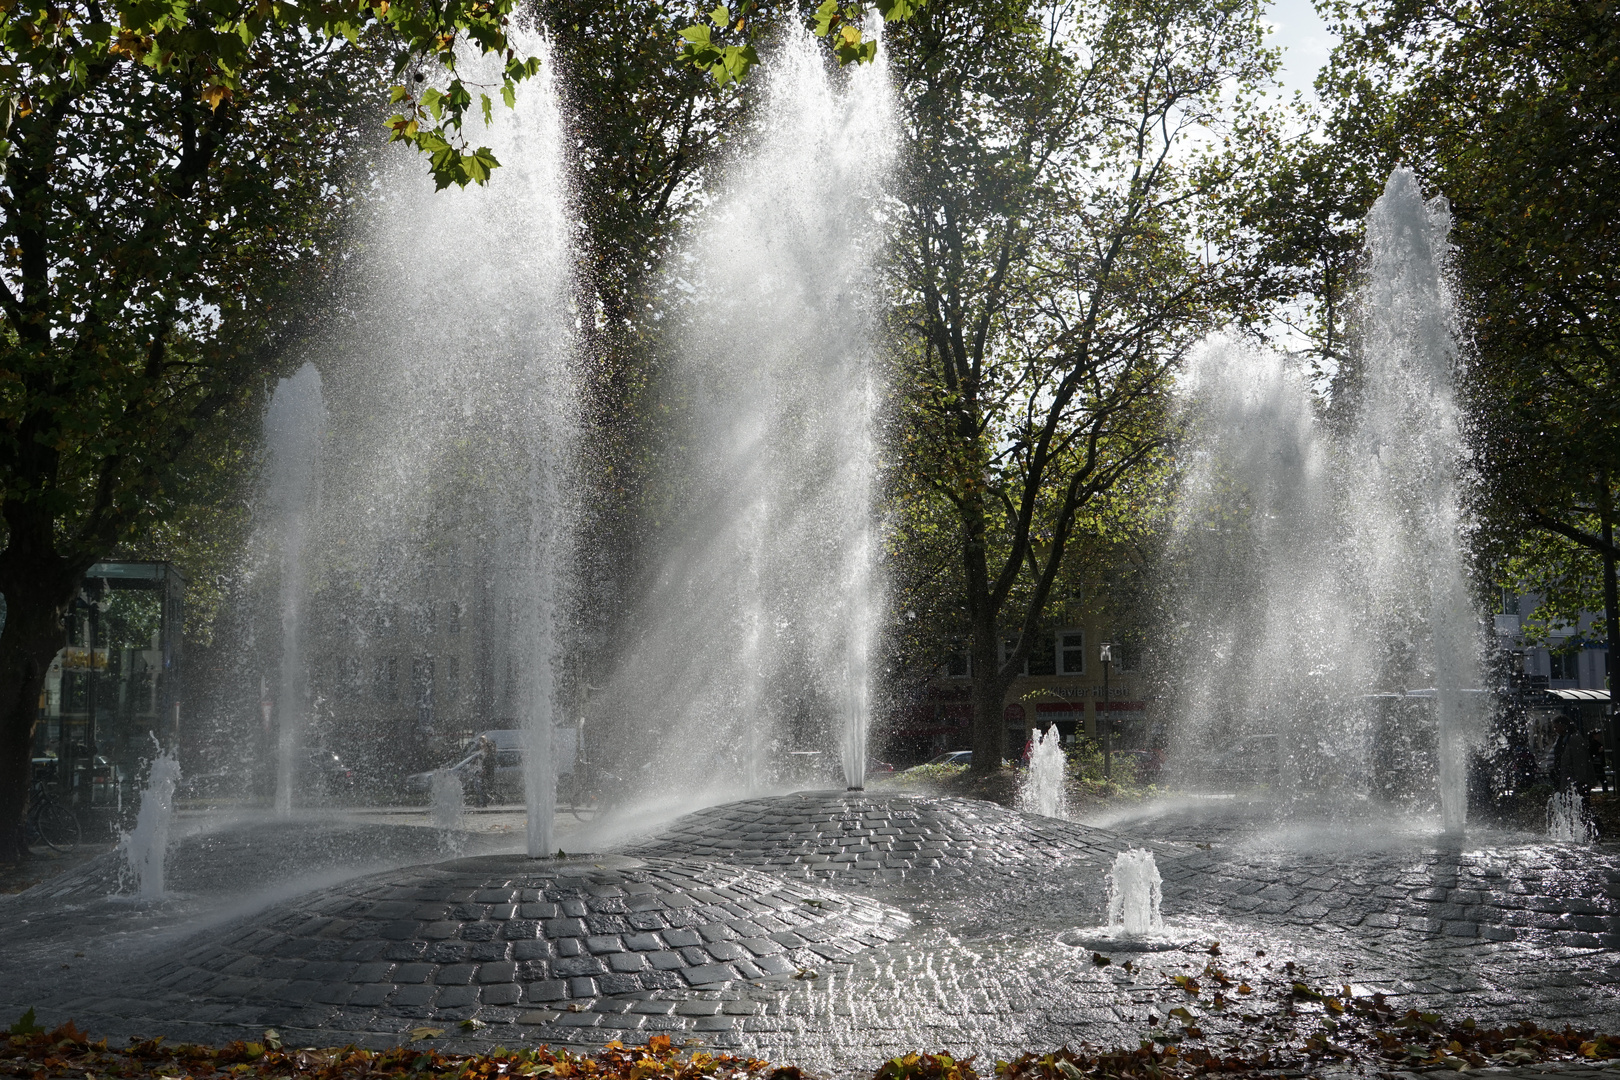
487 755
1594 751
1571 760
1154 764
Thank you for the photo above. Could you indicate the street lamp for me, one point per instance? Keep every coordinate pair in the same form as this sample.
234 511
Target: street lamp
1107 722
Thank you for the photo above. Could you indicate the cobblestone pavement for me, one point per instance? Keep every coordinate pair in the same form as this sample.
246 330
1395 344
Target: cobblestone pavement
941 917
855 839
446 942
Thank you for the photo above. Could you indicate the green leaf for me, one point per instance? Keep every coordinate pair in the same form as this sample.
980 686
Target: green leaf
488 118
479 164
826 15
509 94
433 101
721 16
898 10
697 35
26 1024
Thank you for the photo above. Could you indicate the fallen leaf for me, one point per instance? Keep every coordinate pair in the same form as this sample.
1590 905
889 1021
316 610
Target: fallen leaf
420 1033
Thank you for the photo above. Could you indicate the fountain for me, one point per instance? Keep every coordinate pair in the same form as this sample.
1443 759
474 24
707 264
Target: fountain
1134 893
756 633
448 799
1404 500
146 845
1135 924
1567 819
294 424
1042 788
443 479
447 521
1319 564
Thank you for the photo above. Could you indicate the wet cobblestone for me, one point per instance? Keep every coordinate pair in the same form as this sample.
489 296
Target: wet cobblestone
712 929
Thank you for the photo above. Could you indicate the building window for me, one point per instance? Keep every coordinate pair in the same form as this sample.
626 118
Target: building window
422 689
385 679
349 676
1127 653
422 618
1071 650
452 620
1563 664
387 619
1042 656
959 664
452 679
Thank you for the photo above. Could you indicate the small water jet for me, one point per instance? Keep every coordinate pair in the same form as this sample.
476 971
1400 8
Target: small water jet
147 844
1567 819
1135 924
1135 891
1042 790
448 804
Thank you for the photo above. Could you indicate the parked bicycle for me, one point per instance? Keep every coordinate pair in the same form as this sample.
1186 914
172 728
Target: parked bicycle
51 821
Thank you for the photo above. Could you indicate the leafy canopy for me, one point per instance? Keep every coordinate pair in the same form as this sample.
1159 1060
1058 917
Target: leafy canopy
51 54
724 47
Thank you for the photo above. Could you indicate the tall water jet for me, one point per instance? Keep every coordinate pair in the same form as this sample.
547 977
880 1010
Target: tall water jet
1042 789
757 632
294 424
1271 652
1405 504
1135 891
1320 567
146 846
455 525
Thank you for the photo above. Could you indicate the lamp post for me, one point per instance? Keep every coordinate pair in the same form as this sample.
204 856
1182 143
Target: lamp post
1106 721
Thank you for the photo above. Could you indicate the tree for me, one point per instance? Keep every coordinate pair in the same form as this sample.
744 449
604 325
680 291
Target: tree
645 130
173 175
1049 279
1510 109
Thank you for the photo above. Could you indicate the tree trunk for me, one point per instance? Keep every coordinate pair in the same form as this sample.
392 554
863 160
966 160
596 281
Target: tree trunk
988 689
1611 608
35 601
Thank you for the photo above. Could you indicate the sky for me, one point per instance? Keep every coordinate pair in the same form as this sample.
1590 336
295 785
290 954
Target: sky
1305 42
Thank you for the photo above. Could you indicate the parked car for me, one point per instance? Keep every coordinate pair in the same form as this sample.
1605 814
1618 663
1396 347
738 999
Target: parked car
508 743
954 757
324 773
1251 759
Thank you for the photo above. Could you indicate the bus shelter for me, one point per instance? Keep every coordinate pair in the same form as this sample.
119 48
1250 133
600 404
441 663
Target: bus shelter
111 694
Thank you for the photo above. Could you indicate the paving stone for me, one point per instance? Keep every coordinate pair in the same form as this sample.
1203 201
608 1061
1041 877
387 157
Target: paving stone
500 994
